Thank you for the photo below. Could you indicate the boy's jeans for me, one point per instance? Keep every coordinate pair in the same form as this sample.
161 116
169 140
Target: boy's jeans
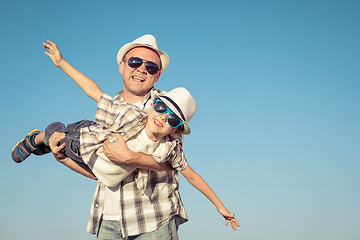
110 230
71 140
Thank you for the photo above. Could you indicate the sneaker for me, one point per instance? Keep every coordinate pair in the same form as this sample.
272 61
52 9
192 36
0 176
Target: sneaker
25 147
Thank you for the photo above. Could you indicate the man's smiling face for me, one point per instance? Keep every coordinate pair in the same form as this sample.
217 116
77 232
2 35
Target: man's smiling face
138 81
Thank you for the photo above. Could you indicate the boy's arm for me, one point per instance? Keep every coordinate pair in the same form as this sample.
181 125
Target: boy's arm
119 152
199 183
85 83
61 157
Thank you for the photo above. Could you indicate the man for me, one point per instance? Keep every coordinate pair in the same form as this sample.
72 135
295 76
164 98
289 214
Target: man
122 211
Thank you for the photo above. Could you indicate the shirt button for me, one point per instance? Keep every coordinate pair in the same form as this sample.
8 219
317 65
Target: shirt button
96 205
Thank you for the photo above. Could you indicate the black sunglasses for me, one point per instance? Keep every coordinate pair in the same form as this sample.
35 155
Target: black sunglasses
173 120
135 62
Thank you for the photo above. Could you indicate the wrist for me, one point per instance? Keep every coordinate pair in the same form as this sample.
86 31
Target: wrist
220 206
132 157
61 63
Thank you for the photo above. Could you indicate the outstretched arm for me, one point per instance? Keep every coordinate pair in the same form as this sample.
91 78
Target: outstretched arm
199 183
85 83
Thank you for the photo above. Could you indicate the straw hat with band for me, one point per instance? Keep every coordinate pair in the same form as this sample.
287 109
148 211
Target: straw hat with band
148 41
180 102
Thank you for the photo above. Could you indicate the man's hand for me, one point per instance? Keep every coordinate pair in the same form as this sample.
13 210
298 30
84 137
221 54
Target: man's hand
117 151
54 53
57 150
62 158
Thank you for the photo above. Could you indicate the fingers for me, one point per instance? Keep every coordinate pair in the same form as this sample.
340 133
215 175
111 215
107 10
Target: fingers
233 222
55 139
118 136
233 226
106 150
51 43
48 54
236 222
50 46
105 145
59 148
57 136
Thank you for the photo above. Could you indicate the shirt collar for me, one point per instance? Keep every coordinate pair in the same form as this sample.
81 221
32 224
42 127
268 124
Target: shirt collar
145 102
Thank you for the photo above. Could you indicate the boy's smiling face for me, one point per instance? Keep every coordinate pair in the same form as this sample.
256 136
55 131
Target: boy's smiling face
157 125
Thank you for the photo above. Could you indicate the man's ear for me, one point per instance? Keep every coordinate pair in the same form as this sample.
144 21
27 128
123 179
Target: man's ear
121 67
158 76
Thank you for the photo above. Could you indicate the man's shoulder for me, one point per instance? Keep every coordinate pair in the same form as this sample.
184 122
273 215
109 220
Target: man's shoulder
119 106
119 95
159 91
154 93
131 107
176 141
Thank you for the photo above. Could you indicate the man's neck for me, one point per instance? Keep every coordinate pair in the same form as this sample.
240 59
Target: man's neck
131 98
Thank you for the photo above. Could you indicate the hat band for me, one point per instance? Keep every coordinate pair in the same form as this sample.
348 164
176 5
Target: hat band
175 105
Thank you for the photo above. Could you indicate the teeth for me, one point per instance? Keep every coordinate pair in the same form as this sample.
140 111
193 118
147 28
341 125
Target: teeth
157 122
139 78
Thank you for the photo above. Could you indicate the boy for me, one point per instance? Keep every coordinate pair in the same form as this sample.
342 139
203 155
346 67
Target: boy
146 133
151 134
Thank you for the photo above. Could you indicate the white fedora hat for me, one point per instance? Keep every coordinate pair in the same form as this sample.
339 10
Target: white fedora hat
148 41
180 102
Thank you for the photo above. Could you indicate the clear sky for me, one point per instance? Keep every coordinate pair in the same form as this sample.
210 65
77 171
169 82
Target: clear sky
277 130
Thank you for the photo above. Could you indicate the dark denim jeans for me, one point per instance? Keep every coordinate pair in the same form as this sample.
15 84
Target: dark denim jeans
71 140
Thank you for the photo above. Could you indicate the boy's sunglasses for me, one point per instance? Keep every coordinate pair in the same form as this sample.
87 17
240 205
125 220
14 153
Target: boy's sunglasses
135 62
173 120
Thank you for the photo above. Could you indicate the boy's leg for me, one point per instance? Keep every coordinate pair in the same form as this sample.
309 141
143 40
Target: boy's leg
39 138
71 140
37 142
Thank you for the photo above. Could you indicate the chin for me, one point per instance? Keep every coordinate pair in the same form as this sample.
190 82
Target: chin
139 91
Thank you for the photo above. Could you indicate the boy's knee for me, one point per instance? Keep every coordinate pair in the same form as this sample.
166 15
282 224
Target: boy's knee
50 129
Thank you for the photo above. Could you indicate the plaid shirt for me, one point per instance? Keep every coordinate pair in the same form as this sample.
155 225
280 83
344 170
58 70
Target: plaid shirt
140 213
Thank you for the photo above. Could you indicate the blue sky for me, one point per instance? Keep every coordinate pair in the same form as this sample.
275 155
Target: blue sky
277 130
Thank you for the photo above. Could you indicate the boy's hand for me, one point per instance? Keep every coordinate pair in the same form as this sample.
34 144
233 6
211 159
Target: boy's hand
54 53
229 217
